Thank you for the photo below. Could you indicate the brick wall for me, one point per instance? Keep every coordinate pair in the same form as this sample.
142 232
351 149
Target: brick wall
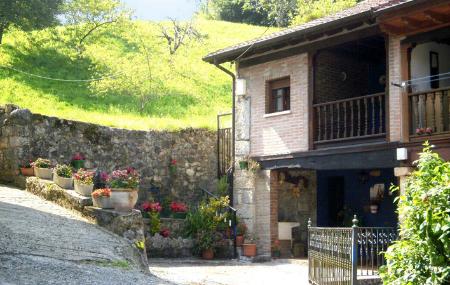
283 133
395 93
328 83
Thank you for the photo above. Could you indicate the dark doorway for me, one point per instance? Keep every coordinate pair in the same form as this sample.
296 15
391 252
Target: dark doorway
336 196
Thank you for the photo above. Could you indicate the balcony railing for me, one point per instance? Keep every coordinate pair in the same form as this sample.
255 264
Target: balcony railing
357 117
429 112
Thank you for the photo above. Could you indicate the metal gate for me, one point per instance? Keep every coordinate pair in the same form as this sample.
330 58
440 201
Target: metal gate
224 144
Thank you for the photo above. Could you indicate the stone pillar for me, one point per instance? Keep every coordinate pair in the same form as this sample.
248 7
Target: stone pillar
262 211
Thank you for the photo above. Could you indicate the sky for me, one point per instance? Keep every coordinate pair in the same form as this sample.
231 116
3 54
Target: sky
162 9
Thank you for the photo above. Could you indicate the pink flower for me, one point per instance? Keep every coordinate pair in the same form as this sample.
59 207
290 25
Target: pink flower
178 207
165 233
78 156
173 162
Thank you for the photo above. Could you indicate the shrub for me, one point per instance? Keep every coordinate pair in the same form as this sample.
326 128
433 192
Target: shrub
42 163
422 254
63 170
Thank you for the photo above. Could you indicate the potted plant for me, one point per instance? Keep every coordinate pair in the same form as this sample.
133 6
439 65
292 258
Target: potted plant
249 247
253 165
205 243
179 210
153 209
241 230
243 164
84 182
63 176
276 250
78 160
101 198
43 168
124 185
26 168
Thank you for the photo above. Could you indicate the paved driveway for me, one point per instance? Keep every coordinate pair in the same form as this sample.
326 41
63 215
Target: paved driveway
43 243
279 272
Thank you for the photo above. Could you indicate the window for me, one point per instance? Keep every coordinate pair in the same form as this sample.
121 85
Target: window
278 95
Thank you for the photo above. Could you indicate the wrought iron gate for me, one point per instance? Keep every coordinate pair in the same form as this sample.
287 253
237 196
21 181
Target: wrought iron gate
224 144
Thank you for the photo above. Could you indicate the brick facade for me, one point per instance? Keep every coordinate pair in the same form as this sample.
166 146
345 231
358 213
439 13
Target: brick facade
279 134
395 93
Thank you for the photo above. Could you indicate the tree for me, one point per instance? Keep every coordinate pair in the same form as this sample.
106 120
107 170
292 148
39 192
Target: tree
27 15
86 16
177 34
308 10
422 254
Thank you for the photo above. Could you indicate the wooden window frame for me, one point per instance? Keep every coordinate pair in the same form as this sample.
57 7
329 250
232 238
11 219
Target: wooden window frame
271 87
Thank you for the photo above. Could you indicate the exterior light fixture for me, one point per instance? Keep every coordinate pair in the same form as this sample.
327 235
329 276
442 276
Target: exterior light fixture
402 153
241 87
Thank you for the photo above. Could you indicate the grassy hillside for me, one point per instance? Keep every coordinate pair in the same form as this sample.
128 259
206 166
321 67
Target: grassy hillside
184 91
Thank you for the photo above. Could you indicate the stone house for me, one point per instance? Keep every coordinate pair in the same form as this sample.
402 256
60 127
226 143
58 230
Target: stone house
335 111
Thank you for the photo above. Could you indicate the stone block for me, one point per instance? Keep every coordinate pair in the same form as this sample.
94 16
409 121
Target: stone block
242 148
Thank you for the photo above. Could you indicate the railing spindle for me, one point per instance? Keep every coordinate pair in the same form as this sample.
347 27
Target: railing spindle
372 100
366 117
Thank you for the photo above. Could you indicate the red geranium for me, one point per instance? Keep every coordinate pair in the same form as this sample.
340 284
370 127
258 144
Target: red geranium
151 207
173 162
178 207
165 233
78 156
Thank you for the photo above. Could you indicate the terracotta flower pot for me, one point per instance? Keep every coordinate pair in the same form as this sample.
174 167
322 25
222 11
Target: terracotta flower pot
124 199
83 189
44 173
102 202
249 249
208 254
239 240
27 171
63 182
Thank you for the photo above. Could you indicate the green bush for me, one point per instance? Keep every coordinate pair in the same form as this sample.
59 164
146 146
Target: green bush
421 256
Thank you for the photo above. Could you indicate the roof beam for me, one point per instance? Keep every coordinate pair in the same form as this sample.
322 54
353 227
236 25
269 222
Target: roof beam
412 22
437 17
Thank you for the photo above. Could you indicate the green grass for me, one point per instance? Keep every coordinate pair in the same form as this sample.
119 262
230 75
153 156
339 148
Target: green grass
185 91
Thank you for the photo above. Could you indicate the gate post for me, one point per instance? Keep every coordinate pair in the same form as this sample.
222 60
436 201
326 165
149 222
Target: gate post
354 251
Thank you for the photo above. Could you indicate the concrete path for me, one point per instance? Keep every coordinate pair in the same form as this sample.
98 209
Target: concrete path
43 243
226 272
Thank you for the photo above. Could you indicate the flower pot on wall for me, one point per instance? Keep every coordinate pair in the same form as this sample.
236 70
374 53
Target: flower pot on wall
239 240
63 182
243 164
83 189
208 254
102 202
123 199
77 164
44 173
249 249
27 171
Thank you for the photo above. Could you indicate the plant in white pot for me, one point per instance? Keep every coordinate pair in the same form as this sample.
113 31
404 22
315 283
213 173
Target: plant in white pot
43 168
101 198
63 176
84 182
124 188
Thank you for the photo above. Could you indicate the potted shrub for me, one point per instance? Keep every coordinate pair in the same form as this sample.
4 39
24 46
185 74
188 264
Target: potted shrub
249 247
84 182
101 198
78 160
241 230
205 244
124 185
26 168
63 176
43 168
179 210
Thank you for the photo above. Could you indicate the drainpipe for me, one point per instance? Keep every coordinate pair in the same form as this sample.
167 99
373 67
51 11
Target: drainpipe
233 150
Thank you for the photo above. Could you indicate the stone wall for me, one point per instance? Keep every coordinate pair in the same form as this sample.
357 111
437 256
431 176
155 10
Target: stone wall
24 135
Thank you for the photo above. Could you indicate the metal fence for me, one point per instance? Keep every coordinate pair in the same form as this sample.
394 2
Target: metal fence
224 146
344 255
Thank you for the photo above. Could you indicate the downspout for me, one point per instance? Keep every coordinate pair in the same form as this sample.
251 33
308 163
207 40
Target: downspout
233 152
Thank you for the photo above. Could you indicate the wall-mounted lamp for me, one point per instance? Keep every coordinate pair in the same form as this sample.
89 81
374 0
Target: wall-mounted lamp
402 153
241 87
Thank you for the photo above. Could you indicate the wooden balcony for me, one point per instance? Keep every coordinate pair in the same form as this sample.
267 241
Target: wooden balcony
361 117
429 112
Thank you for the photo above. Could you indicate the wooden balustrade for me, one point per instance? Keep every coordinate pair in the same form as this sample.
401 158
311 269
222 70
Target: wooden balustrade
357 117
429 112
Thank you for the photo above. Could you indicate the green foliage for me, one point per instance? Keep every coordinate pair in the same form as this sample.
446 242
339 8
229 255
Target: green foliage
203 222
63 170
185 93
155 223
222 186
422 254
309 10
27 15
280 13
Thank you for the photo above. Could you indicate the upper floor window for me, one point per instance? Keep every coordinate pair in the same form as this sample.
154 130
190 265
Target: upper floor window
278 95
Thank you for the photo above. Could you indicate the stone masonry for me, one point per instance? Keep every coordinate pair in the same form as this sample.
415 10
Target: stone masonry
24 136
